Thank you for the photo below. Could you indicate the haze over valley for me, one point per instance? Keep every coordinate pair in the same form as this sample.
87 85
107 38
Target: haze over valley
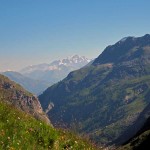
37 78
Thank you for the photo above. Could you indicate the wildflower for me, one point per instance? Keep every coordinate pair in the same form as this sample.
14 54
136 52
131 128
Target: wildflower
18 118
2 142
2 132
76 142
8 138
27 131
7 120
17 143
31 129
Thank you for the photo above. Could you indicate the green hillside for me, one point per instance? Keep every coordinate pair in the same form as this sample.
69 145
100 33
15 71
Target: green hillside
19 130
105 98
21 125
140 141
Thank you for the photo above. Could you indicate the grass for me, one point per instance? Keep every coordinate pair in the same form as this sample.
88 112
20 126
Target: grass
20 131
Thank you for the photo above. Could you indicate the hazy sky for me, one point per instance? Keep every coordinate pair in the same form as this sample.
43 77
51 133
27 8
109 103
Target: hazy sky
38 31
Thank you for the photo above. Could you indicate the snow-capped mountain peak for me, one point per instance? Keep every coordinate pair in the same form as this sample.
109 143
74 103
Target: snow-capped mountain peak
73 62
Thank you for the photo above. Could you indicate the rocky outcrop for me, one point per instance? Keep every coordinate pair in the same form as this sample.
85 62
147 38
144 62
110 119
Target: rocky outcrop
14 94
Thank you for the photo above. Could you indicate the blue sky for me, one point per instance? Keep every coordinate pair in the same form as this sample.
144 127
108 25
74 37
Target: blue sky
38 31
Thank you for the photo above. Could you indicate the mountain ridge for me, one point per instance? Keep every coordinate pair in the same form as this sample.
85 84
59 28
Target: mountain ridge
15 95
34 86
56 64
92 95
114 50
56 70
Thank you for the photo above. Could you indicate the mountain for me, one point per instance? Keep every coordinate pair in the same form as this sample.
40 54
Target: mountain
141 124
15 95
55 71
124 50
105 98
34 86
141 140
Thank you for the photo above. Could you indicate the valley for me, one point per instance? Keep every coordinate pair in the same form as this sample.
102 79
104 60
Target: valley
74 75
106 101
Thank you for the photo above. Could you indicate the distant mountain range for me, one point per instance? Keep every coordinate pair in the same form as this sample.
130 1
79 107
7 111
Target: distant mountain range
38 78
106 98
55 71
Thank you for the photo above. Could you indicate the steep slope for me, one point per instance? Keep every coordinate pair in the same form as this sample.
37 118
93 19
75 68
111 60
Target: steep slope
124 50
14 94
34 86
140 125
141 140
105 98
19 130
55 71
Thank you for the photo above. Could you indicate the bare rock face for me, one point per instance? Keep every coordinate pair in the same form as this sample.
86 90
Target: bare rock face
14 94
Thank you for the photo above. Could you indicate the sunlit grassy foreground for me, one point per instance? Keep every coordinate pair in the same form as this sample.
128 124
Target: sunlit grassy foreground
19 130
